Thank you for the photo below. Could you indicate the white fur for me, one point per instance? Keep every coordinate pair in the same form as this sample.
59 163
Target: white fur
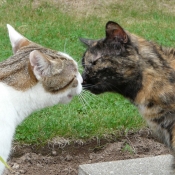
65 55
14 36
15 106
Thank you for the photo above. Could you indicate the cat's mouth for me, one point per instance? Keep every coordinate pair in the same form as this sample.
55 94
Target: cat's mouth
93 88
70 96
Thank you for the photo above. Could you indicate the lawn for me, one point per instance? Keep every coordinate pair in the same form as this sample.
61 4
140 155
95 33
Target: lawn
58 25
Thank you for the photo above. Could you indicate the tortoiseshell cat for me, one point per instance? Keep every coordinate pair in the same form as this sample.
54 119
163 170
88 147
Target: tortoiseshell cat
33 78
140 70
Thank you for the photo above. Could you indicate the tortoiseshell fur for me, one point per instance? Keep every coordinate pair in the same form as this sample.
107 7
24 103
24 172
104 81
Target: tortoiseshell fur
140 70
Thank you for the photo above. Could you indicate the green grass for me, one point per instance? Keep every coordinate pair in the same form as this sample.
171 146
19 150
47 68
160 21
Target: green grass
59 27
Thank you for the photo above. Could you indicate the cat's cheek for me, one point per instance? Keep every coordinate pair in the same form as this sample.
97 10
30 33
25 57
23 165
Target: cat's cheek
79 78
79 89
80 81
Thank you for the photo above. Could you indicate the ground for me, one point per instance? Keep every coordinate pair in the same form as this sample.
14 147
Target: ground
65 159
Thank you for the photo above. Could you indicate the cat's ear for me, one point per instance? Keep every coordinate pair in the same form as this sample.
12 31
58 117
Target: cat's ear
87 42
17 40
42 66
115 32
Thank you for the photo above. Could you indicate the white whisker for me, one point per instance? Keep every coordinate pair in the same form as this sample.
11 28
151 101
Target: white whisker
81 101
65 46
87 93
85 101
87 85
87 96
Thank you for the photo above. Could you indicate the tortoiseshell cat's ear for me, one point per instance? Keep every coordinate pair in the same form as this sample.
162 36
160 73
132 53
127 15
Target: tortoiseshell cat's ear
87 42
17 40
115 32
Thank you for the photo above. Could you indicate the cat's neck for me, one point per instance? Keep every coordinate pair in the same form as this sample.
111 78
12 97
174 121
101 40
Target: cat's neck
17 105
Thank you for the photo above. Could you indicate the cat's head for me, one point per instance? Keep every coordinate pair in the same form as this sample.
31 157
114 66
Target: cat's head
55 72
111 64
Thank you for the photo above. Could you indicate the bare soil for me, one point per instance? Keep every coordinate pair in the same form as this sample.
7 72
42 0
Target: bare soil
56 160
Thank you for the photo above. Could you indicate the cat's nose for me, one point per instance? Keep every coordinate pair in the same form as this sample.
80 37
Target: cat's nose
84 82
84 79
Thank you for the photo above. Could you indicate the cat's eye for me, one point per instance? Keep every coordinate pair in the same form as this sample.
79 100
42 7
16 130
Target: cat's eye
92 63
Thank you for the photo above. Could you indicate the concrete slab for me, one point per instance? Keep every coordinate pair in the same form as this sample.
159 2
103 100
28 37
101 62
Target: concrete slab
157 165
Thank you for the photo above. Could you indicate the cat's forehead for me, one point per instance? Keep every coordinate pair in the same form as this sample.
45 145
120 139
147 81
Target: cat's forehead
92 49
65 55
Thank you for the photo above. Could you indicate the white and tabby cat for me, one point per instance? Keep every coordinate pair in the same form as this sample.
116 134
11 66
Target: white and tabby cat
33 78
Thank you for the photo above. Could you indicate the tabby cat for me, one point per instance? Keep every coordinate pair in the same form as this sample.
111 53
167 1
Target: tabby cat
140 70
33 78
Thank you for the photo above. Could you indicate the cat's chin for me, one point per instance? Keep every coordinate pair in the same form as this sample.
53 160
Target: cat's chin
66 99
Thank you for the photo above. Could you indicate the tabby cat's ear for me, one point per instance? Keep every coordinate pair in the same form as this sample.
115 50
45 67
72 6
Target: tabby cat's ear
87 42
42 66
16 39
115 32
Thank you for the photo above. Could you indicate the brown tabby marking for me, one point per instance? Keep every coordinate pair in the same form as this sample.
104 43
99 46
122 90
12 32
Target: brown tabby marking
18 66
21 44
140 70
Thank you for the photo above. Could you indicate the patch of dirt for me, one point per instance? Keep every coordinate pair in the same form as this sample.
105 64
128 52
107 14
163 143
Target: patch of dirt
65 160
81 8
84 8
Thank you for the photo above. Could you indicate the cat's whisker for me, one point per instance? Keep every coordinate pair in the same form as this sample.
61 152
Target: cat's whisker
109 85
84 91
79 61
88 85
114 87
86 95
82 101
89 95
65 45
85 101
80 68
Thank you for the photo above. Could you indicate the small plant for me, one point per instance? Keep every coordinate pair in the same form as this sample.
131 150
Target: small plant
6 165
128 148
